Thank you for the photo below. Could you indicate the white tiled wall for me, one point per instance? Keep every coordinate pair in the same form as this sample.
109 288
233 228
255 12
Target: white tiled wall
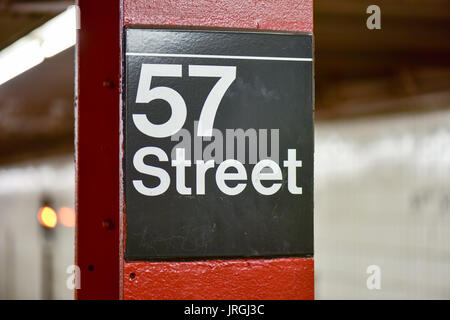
22 187
382 197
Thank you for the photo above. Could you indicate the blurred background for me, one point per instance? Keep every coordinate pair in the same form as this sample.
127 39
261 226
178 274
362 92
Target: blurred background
382 170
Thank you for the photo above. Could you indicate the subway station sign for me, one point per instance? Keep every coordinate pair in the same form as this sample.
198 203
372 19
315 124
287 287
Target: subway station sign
218 144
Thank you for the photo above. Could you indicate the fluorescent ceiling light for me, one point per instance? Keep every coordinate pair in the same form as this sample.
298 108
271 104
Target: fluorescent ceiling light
54 36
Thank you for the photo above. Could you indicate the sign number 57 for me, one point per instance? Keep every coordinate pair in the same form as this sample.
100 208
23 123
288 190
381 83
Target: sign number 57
227 75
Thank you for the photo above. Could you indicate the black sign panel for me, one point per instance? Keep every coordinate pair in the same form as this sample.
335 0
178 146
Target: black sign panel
219 145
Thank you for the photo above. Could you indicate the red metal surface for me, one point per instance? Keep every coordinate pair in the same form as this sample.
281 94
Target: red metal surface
287 15
287 278
97 148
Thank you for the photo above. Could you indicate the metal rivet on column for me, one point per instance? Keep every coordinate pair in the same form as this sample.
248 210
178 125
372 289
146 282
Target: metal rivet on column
108 84
107 224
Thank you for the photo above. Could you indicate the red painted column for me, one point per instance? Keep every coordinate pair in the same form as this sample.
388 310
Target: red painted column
281 278
97 149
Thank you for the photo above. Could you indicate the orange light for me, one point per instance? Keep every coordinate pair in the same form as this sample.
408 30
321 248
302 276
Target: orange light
47 217
66 216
